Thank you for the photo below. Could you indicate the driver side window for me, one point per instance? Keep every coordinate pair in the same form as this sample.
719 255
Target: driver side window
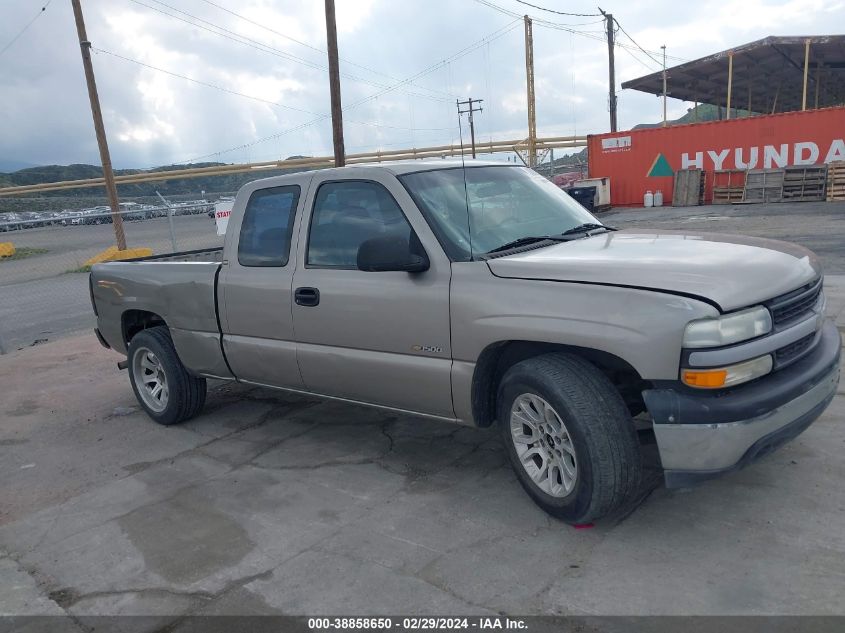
345 215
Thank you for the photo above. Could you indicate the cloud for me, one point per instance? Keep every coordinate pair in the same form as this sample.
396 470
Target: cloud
155 118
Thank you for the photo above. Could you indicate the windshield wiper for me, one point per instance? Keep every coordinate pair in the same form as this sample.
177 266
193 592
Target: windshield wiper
587 227
566 236
522 241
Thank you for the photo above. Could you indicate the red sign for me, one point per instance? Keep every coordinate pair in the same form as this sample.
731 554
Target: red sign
646 160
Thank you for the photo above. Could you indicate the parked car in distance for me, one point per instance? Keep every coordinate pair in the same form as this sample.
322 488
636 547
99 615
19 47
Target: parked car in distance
485 295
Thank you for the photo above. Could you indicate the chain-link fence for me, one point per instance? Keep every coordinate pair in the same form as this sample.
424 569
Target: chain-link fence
44 284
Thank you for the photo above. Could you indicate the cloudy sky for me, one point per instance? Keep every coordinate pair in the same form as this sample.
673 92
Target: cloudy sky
246 80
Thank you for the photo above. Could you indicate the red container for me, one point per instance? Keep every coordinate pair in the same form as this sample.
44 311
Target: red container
641 160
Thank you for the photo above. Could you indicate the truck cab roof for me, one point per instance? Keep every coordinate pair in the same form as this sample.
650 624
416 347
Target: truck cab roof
396 168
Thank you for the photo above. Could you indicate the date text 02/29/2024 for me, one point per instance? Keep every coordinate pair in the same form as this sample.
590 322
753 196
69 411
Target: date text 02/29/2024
416 623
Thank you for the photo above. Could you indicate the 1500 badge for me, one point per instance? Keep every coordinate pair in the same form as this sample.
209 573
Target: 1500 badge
431 349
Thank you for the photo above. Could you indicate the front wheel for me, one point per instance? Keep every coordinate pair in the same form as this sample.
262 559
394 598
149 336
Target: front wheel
570 437
162 384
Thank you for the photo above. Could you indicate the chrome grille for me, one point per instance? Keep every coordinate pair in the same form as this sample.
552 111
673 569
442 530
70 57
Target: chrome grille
796 303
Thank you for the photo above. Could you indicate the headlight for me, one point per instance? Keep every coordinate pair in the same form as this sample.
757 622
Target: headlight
727 376
731 328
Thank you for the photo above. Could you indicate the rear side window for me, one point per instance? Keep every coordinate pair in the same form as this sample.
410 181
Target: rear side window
346 214
267 226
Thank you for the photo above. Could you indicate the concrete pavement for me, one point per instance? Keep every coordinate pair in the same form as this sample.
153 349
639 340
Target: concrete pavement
43 310
272 503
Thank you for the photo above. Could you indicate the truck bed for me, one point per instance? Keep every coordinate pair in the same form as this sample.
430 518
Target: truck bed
179 289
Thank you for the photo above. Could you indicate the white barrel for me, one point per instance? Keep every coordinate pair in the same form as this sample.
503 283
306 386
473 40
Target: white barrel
658 198
648 199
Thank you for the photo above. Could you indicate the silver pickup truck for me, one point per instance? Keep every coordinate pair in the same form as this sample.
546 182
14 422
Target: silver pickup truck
485 295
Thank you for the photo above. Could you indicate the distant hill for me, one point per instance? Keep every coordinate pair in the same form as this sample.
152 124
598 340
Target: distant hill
706 112
176 186
572 160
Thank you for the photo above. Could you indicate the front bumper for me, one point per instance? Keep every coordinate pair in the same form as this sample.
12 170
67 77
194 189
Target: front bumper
704 435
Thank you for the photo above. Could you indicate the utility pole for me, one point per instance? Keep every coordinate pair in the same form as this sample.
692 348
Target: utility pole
529 78
470 109
664 84
99 128
334 86
611 68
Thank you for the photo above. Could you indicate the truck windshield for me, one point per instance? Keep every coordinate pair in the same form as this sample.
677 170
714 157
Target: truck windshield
499 205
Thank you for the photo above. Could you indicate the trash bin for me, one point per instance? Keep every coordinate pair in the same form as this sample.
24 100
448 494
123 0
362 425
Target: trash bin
585 196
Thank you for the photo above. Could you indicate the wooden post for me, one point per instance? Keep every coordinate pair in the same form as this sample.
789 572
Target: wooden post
806 69
611 68
730 80
334 86
529 78
99 128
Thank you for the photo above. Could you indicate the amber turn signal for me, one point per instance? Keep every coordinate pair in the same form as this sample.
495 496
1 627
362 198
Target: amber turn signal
718 377
712 379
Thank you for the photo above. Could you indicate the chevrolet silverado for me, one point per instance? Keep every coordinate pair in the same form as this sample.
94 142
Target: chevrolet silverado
483 294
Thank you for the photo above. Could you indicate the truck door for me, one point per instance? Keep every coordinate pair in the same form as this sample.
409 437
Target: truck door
255 284
377 337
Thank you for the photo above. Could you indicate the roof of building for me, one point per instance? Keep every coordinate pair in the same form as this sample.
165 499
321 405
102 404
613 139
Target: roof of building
767 73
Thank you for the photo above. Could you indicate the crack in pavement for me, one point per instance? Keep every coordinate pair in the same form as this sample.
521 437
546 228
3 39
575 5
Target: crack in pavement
67 597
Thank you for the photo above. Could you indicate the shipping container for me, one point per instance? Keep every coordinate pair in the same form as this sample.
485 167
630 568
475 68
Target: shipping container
637 161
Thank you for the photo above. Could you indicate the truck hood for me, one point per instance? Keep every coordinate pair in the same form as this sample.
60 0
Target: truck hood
727 270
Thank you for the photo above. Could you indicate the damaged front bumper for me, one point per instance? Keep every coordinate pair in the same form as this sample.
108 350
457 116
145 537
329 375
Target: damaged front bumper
703 435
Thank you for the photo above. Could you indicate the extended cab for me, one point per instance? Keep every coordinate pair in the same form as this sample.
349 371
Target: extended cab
480 295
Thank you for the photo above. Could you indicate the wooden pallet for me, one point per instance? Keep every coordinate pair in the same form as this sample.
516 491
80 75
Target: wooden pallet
763 185
804 184
689 188
728 185
835 186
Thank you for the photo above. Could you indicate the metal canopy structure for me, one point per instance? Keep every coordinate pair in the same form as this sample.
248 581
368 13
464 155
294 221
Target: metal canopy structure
775 74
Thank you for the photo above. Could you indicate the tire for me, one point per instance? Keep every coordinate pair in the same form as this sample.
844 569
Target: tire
153 361
595 435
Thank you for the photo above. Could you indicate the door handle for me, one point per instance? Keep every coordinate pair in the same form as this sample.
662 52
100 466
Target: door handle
308 297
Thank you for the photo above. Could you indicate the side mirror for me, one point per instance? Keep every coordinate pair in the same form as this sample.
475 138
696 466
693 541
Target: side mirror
391 253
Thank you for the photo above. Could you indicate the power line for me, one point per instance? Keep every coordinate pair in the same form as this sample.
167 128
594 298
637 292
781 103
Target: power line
436 66
638 60
200 82
246 96
514 14
577 15
313 48
635 42
25 28
650 54
569 29
260 46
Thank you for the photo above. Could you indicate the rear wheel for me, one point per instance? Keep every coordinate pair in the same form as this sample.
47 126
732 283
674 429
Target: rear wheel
569 436
163 386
